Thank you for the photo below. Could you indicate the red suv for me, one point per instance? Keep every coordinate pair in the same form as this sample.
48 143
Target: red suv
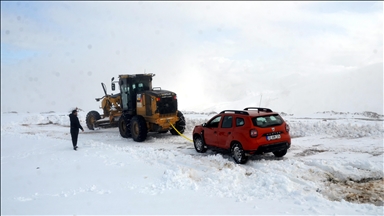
253 130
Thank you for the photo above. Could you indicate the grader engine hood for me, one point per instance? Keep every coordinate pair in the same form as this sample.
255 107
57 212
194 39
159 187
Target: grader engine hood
161 93
166 101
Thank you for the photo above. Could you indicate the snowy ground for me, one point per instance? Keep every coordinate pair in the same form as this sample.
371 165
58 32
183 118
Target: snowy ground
335 166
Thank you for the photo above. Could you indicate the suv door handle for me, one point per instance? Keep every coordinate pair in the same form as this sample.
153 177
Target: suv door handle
229 132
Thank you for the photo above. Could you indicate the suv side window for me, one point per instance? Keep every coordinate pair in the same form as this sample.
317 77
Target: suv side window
239 122
214 123
227 122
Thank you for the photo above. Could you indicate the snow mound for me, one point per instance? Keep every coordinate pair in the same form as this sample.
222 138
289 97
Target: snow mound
62 120
334 128
368 114
191 123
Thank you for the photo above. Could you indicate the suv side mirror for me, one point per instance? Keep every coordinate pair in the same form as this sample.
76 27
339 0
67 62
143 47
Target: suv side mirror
204 125
113 87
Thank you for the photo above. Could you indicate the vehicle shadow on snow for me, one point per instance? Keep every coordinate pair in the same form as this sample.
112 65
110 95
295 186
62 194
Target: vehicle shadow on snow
267 156
227 155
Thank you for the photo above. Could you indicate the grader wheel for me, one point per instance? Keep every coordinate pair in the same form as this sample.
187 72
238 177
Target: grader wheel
91 118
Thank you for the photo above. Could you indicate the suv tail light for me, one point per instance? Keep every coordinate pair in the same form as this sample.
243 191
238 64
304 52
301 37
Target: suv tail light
253 133
287 127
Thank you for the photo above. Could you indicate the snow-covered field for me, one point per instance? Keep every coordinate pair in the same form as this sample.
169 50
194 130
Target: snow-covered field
335 166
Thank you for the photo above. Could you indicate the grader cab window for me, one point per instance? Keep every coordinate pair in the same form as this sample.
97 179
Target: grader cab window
124 95
142 86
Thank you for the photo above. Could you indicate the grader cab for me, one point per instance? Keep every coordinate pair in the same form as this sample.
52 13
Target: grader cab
139 108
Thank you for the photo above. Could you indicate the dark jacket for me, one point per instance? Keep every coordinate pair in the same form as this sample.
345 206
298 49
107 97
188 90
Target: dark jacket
75 124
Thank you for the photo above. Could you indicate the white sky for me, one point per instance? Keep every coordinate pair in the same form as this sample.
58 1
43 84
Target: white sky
55 54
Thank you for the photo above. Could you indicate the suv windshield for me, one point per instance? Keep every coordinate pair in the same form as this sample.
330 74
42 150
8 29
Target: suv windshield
267 121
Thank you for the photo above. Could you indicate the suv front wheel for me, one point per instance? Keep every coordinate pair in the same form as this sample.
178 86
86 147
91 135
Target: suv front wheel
238 154
199 144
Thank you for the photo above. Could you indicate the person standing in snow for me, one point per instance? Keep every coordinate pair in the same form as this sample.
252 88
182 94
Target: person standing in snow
75 126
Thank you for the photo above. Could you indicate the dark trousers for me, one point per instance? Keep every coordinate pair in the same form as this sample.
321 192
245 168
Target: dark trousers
74 135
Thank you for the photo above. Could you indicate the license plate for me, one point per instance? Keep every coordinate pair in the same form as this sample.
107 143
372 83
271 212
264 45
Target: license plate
273 137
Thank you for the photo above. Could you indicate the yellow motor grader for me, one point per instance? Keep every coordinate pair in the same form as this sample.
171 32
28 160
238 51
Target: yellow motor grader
138 108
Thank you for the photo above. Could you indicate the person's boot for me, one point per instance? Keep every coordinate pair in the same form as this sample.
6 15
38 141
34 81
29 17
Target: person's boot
75 148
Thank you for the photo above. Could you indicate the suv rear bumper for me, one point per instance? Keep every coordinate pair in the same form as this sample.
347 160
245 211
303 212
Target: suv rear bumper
269 148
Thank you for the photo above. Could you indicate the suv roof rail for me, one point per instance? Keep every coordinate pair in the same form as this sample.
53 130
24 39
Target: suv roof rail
259 109
235 111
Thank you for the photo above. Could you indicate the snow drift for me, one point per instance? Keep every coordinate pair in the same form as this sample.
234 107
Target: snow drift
333 167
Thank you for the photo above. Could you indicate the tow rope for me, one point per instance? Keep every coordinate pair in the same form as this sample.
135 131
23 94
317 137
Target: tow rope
180 133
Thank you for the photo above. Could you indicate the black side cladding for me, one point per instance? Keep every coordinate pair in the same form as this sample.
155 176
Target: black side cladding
273 147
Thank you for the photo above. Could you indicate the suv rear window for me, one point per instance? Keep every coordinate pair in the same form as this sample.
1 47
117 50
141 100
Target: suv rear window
267 121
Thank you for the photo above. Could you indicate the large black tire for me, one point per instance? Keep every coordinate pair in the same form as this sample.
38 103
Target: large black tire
238 154
180 125
91 118
125 126
280 153
139 128
199 144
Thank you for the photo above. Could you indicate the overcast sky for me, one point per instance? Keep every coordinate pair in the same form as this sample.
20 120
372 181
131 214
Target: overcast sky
55 54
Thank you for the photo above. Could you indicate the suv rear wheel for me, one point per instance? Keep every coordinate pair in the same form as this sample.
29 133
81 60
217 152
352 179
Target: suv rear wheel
280 153
238 154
